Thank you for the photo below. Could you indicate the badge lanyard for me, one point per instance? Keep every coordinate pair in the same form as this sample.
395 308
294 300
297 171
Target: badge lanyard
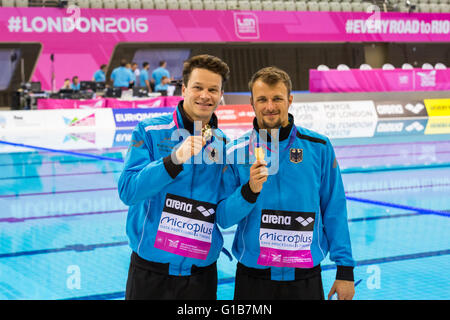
252 144
175 120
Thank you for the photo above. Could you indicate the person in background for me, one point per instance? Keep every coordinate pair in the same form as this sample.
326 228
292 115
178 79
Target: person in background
100 75
121 76
136 73
66 85
163 85
159 72
133 77
144 80
75 84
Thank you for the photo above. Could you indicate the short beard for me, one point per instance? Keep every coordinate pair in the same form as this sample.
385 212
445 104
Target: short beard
268 126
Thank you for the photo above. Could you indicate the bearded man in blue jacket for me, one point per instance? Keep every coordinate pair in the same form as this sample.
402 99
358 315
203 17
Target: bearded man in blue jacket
290 207
171 183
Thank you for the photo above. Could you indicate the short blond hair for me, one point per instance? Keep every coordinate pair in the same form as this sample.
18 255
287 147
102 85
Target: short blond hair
271 76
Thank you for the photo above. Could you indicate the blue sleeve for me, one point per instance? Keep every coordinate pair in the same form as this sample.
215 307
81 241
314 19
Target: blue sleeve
144 176
113 75
334 210
237 199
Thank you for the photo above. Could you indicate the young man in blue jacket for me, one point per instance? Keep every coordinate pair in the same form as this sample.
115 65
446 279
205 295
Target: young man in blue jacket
290 207
171 181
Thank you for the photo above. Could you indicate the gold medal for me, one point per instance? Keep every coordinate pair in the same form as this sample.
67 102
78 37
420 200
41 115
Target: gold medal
259 153
207 132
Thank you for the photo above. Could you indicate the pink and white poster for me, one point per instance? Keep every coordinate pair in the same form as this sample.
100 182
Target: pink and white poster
83 39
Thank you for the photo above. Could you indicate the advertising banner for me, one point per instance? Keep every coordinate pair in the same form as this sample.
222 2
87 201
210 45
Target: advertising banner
129 118
137 103
45 104
438 125
337 119
378 80
64 119
83 39
401 127
236 115
112 103
400 109
437 107
122 138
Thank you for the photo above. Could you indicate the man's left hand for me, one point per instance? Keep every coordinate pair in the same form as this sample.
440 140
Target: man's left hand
345 290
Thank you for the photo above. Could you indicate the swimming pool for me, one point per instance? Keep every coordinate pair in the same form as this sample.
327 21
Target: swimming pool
62 225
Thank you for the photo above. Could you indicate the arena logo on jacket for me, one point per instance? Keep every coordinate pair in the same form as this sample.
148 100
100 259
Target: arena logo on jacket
186 227
285 239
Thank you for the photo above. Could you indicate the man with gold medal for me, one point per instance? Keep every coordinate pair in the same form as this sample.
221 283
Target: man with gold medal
171 183
284 191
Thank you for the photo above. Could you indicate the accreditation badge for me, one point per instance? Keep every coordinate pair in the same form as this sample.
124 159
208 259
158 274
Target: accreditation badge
186 227
285 239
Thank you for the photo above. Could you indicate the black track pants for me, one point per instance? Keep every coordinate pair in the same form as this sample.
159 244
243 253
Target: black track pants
151 281
251 287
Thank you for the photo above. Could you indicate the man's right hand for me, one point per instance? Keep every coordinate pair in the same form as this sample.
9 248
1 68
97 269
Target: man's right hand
190 147
258 175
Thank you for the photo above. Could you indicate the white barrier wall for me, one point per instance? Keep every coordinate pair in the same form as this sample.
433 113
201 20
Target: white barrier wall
62 119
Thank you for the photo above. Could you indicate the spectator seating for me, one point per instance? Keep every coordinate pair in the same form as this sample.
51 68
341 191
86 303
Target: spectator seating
8 3
21 3
135 4
289 5
407 66
209 5
387 66
342 67
196 4
255 5
172 4
323 67
160 4
123 4
147 4
96 4
301 6
428 6
365 66
81 3
109 4
221 5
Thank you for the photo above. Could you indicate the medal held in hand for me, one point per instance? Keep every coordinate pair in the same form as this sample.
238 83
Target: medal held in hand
207 132
259 153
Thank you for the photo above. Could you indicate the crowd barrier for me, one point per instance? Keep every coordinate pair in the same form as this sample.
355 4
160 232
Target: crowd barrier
306 114
368 118
356 80
112 103
78 129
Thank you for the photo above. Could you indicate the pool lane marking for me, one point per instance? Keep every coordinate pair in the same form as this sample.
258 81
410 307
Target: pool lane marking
79 154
